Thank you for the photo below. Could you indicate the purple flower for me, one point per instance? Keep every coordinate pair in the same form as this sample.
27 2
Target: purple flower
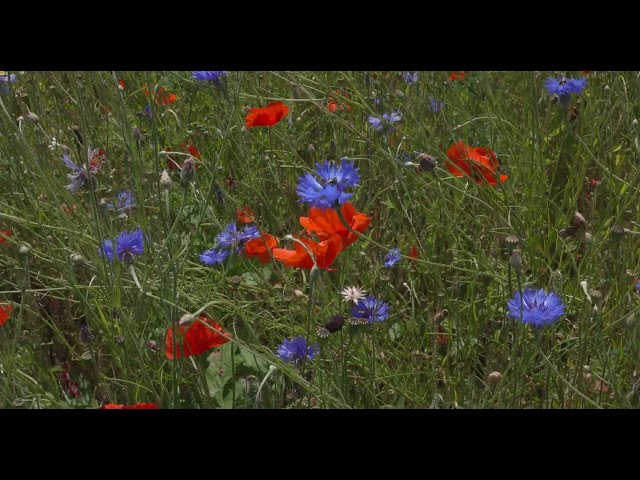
563 87
206 76
411 77
127 246
377 124
537 308
233 238
79 177
297 350
125 201
5 78
392 257
214 256
435 106
371 309
330 191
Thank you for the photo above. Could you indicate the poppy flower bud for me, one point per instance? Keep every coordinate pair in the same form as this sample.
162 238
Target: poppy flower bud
426 162
578 219
315 273
188 171
587 237
311 149
76 259
32 117
236 280
165 180
635 122
24 251
494 379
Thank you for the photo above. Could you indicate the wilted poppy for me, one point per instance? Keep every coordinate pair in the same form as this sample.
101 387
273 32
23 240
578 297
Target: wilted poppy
137 406
266 116
457 75
325 253
5 313
245 214
256 247
6 233
325 223
201 335
478 163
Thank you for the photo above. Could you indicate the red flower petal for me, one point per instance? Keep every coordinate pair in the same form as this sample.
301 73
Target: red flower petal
245 214
202 335
256 248
266 116
5 313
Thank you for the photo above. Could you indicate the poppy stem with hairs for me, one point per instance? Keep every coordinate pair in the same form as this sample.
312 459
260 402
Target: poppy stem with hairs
402 255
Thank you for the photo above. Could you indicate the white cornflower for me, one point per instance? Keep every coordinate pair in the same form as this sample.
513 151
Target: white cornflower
53 144
353 294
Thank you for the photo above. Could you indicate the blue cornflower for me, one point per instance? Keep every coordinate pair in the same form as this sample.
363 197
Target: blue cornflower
538 307
330 191
296 350
4 78
435 106
208 76
214 256
147 112
219 196
375 123
127 246
392 117
563 87
637 287
125 201
79 176
233 238
392 257
371 309
404 157
411 77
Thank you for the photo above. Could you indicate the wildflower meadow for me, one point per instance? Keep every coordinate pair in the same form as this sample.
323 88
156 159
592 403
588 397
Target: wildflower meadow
319 240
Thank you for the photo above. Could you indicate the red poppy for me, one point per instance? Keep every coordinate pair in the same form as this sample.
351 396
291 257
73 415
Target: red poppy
333 105
256 247
162 97
5 313
245 214
266 116
121 84
413 253
193 151
68 210
6 233
586 72
457 75
479 163
201 335
325 253
137 406
325 223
